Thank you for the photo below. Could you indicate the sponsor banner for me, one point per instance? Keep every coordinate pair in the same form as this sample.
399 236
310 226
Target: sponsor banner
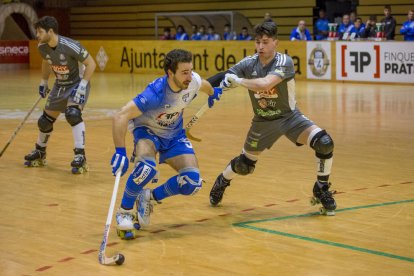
375 61
209 57
14 52
319 60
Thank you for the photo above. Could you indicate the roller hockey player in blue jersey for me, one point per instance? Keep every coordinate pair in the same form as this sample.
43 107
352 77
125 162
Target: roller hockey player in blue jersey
155 118
269 77
69 94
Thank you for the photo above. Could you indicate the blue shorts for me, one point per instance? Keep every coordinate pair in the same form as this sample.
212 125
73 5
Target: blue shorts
167 148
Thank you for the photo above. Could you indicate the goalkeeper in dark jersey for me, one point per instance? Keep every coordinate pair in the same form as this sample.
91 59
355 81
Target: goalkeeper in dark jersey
269 77
62 56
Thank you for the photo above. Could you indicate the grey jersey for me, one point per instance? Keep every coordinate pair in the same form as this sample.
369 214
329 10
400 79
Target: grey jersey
279 100
64 59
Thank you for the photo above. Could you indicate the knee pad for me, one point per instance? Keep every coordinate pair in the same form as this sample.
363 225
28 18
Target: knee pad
242 165
189 181
323 145
45 123
143 172
73 115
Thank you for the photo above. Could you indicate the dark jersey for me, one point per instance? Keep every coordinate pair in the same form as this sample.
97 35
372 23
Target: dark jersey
64 59
274 103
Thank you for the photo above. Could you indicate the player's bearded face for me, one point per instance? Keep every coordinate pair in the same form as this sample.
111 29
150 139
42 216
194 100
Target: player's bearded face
183 75
42 35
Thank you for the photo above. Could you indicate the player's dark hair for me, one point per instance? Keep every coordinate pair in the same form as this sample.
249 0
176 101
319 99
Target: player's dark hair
47 23
266 28
176 56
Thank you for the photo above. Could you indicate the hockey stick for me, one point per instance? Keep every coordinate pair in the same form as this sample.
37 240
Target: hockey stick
193 120
118 258
21 124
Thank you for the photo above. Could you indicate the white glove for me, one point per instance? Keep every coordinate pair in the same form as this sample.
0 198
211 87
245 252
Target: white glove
230 81
79 92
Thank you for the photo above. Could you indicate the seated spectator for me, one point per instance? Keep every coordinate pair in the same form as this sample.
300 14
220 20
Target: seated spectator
211 34
167 34
370 28
244 35
389 23
407 29
228 34
359 28
352 17
346 28
202 32
195 35
321 26
181 34
300 32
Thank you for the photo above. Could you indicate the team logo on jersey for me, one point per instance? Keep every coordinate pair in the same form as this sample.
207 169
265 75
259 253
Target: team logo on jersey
167 119
186 97
62 59
167 106
262 103
84 53
49 61
254 73
47 56
280 72
60 69
271 93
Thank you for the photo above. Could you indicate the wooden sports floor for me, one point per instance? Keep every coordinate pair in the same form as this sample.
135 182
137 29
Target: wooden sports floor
52 222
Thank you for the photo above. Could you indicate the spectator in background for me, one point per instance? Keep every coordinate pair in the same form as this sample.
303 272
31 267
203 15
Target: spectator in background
407 29
267 17
389 23
370 30
300 32
346 28
181 34
321 26
195 34
211 34
167 34
352 16
228 34
359 28
202 32
244 35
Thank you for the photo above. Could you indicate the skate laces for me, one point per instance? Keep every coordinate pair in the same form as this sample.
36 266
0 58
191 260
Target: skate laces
78 158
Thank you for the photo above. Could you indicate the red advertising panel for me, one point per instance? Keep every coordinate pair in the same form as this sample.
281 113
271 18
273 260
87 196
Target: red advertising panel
14 52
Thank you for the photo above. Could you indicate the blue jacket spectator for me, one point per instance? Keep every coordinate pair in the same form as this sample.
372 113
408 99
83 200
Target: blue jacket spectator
407 29
211 34
321 26
244 35
359 28
228 34
195 35
300 32
181 34
346 28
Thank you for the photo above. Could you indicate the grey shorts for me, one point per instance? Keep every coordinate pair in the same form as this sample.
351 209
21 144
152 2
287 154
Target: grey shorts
263 134
60 97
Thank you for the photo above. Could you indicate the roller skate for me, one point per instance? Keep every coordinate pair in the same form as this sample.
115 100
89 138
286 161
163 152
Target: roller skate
79 164
125 224
37 158
144 208
325 197
217 192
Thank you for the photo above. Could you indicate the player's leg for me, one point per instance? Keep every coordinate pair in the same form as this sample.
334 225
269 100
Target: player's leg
319 140
180 156
45 124
144 171
261 136
73 115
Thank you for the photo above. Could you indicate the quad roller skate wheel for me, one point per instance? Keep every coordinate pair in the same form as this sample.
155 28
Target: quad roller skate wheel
325 212
137 226
35 163
314 201
126 234
80 170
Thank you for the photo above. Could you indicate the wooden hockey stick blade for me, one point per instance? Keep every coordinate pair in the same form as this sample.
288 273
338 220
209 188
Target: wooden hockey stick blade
191 137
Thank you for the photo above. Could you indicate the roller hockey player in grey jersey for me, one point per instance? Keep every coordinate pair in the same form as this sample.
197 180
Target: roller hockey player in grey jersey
269 77
69 94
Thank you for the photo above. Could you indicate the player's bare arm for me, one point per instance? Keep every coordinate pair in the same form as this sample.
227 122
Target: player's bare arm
206 88
260 84
120 122
45 70
90 67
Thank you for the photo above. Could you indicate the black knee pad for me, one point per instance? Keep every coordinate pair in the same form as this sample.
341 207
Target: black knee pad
45 123
242 165
73 115
323 145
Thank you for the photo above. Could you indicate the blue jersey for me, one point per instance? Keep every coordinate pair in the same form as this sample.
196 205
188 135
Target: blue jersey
162 109
407 29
